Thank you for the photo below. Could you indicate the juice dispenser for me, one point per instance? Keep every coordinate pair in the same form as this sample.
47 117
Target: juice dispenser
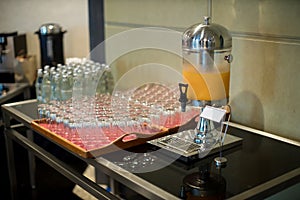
206 73
206 67
206 63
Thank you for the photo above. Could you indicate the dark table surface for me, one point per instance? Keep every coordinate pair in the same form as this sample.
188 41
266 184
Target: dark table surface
10 90
257 160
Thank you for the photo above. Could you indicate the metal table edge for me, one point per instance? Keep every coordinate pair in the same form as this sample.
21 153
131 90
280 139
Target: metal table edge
14 92
267 185
134 182
12 112
265 134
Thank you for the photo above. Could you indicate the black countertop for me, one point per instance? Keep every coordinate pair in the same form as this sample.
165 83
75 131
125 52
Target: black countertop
257 160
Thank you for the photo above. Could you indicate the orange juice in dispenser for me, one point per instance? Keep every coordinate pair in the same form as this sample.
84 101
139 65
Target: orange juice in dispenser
206 63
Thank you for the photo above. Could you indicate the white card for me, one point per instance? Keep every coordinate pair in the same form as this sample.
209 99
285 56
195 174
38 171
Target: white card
213 113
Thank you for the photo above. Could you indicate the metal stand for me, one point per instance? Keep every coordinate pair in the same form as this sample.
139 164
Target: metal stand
222 161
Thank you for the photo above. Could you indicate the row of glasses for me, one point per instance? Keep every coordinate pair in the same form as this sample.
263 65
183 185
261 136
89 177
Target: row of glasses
72 86
99 119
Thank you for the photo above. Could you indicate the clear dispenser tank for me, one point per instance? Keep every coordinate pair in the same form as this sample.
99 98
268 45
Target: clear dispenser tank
206 63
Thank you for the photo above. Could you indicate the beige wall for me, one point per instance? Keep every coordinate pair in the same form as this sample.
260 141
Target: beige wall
26 16
265 73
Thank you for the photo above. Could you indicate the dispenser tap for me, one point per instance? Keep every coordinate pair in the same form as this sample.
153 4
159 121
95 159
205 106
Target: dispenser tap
183 96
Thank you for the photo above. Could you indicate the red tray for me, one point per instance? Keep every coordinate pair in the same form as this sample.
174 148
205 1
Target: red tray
86 150
89 142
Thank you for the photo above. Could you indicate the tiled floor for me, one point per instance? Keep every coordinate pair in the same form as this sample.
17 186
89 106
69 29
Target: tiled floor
49 183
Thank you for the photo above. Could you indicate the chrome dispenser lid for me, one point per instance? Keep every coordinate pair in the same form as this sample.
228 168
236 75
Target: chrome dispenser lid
206 36
50 28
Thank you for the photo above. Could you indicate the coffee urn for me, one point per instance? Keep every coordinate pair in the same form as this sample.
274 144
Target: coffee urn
51 44
12 45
